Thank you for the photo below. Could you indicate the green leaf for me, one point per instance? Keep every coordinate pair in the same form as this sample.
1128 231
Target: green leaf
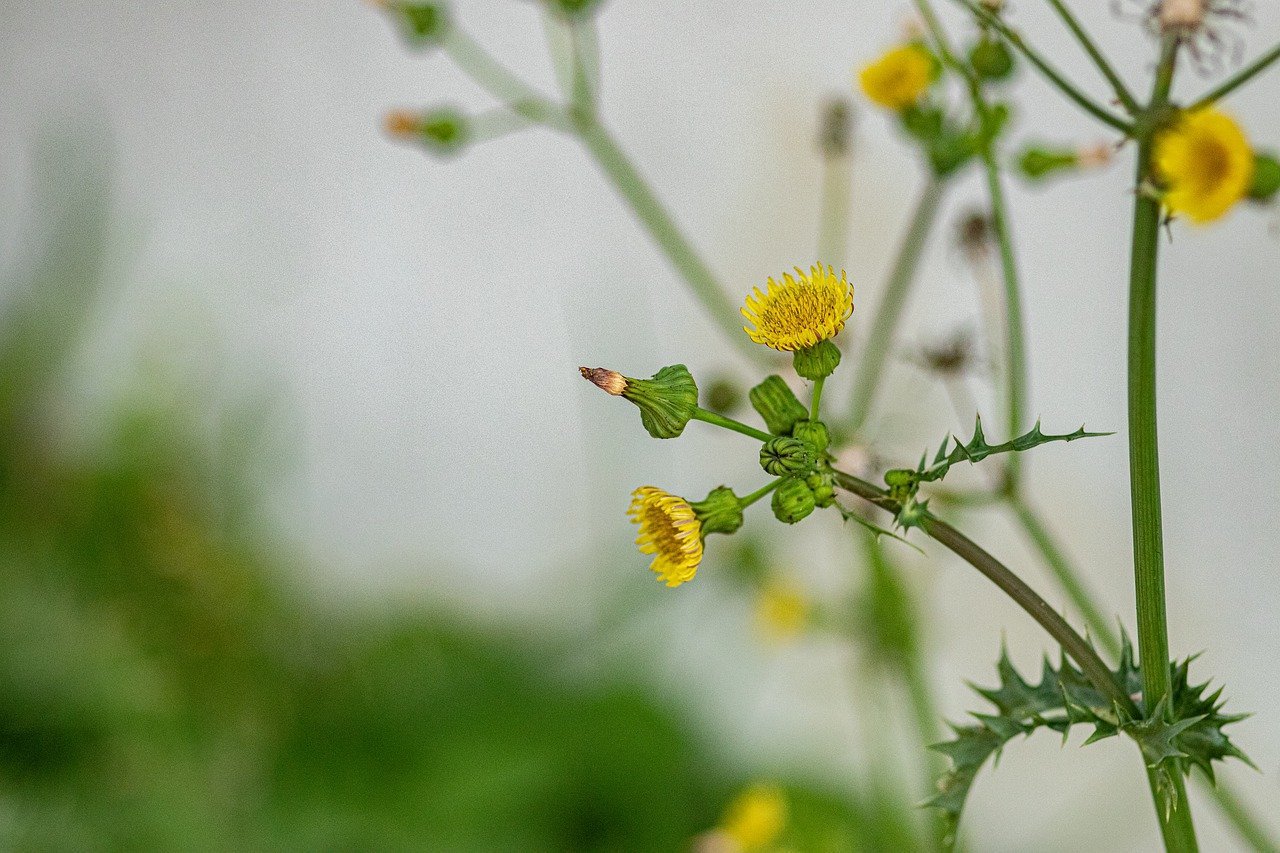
978 449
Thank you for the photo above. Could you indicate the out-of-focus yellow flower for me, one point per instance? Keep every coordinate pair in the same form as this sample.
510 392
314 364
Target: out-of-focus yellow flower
670 530
801 311
899 78
1205 163
782 611
756 818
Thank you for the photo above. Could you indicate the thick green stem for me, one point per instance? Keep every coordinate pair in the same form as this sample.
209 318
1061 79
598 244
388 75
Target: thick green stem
893 301
730 424
654 216
1144 456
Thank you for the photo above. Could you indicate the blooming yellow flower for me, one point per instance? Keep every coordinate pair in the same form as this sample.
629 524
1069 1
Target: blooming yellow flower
801 311
670 530
756 818
1205 163
898 78
781 611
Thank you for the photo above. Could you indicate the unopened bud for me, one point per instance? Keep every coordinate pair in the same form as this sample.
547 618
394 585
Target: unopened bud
812 433
793 500
423 24
991 58
721 512
1266 178
441 131
574 8
774 400
609 381
818 361
837 127
784 455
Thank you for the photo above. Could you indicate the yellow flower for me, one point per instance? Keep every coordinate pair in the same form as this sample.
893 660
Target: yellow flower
799 312
1205 164
898 78
670 530
756 818
781 611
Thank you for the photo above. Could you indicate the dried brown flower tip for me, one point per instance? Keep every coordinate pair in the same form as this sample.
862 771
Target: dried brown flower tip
402 123
609 381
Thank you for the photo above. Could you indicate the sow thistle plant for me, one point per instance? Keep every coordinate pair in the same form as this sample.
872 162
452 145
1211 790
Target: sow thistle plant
952 105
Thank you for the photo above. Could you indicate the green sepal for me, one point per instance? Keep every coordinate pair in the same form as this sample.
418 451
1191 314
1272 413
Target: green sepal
813 433
823 485
777 404
444 130
667 402
1266 177
793 500
423 24
1038 162
721 512
818 361
785 455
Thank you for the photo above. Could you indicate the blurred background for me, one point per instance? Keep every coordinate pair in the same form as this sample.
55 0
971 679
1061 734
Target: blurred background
312 538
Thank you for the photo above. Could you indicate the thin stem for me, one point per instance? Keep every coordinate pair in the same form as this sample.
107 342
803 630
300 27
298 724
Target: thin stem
1123 95
1023 595
1144 456
1065 574
1050 73
833 225
1015 333
494 78
654 216
1241 818
730 424
817 398
1242 77
748 500
893 301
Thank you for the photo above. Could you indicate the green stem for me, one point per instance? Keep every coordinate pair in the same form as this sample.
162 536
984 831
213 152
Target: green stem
1065 574
1244 76
1144 457
1023 595
748 500
730 424
1050 73
494 78
893 301
833 225
817 398
654 216
1123 94
1241 818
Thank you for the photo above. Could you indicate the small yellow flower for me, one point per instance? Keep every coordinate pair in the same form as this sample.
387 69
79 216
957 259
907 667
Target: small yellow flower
670 530
782 611
1205 164
756 818
899 78
800 312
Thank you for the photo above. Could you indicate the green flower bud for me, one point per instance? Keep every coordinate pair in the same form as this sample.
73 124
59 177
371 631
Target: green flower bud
813 433
1037 163
991 58
777 404
441 131
818 361
793 500
667 402
721 512
423 24
1266 177
786 456
823 486
574 8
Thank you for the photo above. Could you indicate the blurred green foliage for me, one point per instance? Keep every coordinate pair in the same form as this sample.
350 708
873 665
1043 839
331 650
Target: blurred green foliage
166 681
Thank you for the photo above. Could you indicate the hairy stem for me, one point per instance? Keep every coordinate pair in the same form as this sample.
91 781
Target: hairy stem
893 301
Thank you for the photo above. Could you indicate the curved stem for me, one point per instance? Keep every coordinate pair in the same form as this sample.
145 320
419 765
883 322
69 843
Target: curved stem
893 301
654 216
730 424
1028 599
1123 95
748 500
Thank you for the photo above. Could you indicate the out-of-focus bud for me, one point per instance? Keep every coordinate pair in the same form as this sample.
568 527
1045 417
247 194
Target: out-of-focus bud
785 455
777 404
723 395
1182 16
441 131
1266 177
1037 163
721 512
574 8
793 500
837 129
667 402
991 58
823 486
423 24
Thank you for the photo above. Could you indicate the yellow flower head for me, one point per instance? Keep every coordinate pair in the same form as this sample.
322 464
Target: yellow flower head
1205 163
801 311
670 530
899 78
782 611
756 818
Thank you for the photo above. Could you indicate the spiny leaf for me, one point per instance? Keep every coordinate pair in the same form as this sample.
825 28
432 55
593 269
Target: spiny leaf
850 515
978 449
